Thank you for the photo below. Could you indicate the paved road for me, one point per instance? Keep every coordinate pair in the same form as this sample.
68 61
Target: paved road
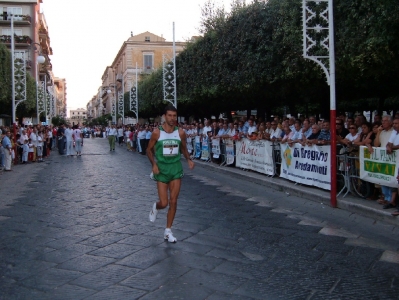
77 228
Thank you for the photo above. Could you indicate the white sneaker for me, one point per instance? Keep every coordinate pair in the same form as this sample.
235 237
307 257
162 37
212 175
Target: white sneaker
168 235
153 213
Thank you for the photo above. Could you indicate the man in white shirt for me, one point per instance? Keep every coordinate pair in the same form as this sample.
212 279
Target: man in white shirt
251 127
69 140
207 128
275 132
33 138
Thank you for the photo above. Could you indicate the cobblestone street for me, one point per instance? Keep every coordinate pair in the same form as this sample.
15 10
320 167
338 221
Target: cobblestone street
77 228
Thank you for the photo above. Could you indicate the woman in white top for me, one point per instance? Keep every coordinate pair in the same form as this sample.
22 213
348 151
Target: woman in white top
78 139
351 136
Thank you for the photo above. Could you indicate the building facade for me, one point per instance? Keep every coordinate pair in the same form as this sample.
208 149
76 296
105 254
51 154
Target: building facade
141 54
32 39
77 116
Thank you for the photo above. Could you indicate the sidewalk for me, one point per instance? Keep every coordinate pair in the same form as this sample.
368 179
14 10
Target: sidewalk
367 208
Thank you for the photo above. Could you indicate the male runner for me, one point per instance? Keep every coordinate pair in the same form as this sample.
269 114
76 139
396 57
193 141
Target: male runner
168 142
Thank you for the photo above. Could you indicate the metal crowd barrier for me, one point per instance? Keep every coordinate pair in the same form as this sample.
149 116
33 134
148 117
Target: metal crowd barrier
347 160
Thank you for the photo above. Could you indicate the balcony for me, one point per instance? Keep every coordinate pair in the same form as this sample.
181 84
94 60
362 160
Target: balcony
19 20
20 41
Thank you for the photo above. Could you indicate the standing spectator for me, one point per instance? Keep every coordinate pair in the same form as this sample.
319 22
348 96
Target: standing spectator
78 139
141 139
314 137
120 135
393 144
127 138
39 148
325 135
61 139
7 148
25 152
341 131
287 134
69 140
351 136
147 137
251 128
112 133
33 138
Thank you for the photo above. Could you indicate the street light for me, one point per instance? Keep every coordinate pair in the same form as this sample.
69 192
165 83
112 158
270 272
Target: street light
40 100
113 104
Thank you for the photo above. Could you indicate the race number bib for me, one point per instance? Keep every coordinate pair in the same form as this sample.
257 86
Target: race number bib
170 148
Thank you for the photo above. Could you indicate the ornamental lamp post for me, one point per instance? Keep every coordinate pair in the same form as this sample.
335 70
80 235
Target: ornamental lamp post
113 104
40 59
318 46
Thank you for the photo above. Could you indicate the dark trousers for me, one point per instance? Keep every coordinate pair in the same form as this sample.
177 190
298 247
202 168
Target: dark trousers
143 146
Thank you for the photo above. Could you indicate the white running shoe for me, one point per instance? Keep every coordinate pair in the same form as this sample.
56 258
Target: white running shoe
153 213
168 235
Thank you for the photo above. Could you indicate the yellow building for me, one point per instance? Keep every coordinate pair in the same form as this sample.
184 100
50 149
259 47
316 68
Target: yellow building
145 51
77 116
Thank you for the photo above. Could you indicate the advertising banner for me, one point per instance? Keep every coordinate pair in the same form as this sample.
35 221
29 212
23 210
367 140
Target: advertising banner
306 164
229 151
378 167
189 145
216 148
255 155
197 147
205 150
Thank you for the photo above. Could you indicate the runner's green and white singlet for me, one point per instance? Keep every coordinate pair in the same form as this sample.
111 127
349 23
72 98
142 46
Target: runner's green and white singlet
167 148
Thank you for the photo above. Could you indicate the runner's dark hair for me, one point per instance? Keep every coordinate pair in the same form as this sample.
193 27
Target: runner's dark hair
169 108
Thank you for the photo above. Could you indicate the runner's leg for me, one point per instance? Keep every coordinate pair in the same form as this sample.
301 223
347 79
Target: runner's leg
174 188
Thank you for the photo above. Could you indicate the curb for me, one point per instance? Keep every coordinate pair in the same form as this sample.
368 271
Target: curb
350 203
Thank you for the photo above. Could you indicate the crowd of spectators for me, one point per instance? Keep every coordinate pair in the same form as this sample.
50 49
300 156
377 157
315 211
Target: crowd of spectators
34 143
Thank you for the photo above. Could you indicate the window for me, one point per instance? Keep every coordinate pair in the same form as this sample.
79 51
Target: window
147 39
8 32
14 11
148 61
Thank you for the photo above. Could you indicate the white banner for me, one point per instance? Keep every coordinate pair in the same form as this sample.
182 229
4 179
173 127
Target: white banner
216 148
379 167
255 155
229 151
205 150
189 145
307 165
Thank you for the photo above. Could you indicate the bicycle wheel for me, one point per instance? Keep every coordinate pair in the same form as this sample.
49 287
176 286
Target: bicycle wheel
362 188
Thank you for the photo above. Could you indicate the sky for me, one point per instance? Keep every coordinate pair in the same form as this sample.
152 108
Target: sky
86 35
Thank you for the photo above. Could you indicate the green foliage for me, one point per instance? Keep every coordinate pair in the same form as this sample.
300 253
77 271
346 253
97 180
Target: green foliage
102 120
5 79
251 58
58 120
